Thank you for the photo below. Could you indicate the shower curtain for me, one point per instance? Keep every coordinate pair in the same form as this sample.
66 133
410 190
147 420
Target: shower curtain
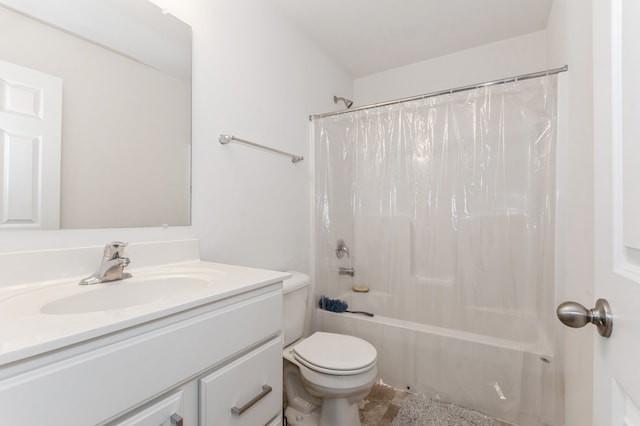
447 207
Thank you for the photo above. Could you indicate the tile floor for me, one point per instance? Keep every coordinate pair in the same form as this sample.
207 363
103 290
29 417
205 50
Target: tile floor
382 404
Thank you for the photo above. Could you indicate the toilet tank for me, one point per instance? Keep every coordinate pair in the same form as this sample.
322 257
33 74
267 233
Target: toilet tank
296 290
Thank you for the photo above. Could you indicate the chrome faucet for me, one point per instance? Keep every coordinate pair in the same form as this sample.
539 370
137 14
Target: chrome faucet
112 266
346 271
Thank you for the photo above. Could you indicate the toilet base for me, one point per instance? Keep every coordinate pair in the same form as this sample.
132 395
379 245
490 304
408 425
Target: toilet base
339 412
298 418
333 412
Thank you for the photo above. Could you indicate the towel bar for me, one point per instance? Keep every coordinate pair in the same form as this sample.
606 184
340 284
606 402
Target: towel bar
225 139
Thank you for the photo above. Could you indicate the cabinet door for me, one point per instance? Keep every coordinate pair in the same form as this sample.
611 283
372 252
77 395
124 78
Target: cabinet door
166 412
246 392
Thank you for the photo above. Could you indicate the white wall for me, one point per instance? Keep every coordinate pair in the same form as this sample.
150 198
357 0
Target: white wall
569 36
257 78
506 58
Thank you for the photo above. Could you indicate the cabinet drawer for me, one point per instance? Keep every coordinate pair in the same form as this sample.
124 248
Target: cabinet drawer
238 384
166 412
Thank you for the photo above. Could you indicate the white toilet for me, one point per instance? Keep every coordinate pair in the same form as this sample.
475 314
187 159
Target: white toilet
326 374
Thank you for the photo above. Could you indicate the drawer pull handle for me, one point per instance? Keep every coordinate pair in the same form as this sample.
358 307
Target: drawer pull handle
176 419
266 389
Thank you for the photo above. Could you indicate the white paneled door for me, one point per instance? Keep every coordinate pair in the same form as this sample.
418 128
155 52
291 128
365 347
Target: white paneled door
617 208
30 147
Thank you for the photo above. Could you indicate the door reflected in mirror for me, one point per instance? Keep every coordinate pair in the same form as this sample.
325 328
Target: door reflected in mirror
125 149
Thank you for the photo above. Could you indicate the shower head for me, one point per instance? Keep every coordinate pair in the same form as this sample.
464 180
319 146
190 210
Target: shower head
347 102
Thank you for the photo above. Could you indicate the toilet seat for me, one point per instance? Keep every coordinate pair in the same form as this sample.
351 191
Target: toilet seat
335 354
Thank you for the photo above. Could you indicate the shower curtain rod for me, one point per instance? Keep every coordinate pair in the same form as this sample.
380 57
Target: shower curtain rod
448 91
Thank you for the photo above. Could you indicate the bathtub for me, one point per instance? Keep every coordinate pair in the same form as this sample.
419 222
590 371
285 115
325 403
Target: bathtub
501 365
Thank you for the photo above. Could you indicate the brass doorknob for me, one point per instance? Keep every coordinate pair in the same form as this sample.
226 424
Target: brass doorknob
573 314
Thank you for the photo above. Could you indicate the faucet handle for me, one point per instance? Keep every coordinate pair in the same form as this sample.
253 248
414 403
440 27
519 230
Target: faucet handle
114 250
342 249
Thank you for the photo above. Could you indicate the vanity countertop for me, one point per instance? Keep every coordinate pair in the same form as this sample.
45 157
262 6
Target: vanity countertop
27 329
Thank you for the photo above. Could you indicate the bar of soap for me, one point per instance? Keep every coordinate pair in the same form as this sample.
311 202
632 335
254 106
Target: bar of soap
360 289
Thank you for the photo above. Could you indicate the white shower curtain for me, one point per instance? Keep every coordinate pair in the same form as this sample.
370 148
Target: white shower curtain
447 207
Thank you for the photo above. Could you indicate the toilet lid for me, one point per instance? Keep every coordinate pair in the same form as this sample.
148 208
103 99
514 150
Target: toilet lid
336 354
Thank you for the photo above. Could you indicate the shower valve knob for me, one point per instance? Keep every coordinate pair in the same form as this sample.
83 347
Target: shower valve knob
573 314
341 249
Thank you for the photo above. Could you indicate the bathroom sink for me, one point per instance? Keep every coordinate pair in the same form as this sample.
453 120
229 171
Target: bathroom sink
124 294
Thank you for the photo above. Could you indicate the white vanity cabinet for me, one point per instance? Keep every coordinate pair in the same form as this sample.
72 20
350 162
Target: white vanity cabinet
194 365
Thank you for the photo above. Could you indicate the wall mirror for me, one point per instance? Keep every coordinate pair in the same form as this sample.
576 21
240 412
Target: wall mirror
112 79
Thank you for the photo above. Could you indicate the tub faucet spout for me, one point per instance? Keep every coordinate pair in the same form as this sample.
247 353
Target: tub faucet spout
346 271
112 266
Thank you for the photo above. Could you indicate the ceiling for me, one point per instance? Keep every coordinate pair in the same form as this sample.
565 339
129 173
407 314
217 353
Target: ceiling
370 36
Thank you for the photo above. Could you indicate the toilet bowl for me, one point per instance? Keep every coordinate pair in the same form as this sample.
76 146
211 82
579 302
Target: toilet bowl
326 374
